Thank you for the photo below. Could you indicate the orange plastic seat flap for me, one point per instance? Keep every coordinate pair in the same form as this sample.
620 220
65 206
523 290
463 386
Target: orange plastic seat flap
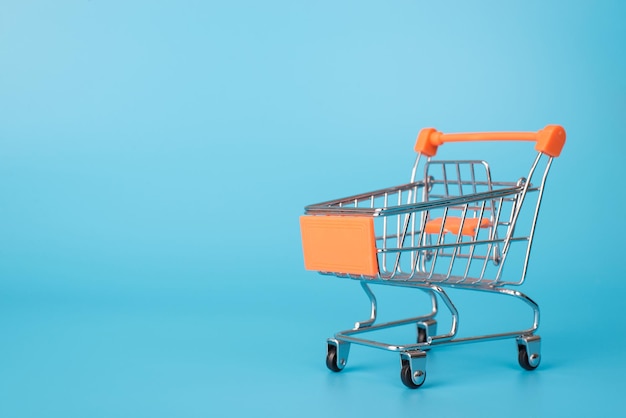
453 224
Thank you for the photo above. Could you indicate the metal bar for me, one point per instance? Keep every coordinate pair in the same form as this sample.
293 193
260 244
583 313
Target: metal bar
473 247
492 237
366 195
452 201
415 165
534 223
454 313
384 266
445 179
416 207
473 178
371 327
463 256
418 254
516 212
389 324
407 218
440 241
459 239
451 245
369 322
433 343
444 339
458 178
398 221
413 255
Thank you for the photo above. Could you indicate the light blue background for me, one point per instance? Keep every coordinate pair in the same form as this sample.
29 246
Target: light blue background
155 157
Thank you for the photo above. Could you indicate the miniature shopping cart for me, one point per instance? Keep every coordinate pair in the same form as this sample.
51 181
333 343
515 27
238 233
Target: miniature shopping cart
453 228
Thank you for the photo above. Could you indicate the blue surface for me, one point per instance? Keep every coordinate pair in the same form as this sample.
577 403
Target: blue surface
155 158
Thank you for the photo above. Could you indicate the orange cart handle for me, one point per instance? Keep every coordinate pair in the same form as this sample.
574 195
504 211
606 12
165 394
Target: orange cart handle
549 140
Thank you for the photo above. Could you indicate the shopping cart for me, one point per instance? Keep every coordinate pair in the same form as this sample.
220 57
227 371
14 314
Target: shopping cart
454 228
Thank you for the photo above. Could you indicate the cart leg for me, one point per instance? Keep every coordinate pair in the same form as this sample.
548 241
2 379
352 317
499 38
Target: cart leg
413 371
428 327
370 321
337 354
437 290
529 351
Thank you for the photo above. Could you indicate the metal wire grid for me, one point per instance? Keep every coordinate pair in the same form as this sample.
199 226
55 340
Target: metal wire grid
450 189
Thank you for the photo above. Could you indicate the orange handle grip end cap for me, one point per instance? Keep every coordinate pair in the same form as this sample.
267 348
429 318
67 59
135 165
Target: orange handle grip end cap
428 140
550 140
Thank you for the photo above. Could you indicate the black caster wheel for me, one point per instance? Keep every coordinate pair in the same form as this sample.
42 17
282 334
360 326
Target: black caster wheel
405 376
331 359
527 362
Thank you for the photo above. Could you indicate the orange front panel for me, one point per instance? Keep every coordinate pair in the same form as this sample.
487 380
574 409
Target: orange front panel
339 244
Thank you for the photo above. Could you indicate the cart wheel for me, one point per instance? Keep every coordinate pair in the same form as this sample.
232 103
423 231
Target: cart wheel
331 359
524 360
405 376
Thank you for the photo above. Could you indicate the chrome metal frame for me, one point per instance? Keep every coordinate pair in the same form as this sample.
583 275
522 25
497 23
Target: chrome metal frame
410 257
